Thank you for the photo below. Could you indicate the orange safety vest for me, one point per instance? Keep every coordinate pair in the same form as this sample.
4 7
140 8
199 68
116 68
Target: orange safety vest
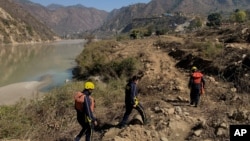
79 99
197 77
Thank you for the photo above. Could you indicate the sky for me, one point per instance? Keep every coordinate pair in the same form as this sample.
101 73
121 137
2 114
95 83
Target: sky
107 5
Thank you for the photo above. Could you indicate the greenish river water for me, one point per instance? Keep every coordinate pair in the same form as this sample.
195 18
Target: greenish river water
34 62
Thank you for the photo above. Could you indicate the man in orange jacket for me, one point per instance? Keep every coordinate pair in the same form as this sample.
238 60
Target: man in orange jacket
84 106
196 84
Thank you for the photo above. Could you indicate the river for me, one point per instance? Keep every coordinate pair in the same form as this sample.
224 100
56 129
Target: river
34 62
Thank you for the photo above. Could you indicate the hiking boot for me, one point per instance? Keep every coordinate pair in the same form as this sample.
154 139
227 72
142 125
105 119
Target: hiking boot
77 138
146 121
121 125
191 104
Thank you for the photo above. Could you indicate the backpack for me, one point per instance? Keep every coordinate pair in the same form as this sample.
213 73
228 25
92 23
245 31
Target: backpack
197 77
79 100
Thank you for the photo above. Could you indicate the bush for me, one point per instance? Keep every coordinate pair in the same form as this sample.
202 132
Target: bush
214 20
208 49
95 61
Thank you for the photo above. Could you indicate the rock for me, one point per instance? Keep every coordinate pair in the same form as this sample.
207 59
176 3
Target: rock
224 125
202 122
177 117
164 139
147 66
178 110
233 90
158 110
208 140
221 132
181 99
171 111
186 113
239 115
198 132
210 78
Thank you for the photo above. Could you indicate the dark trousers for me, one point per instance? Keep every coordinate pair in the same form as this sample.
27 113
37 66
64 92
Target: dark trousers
195 96
86 127
128 111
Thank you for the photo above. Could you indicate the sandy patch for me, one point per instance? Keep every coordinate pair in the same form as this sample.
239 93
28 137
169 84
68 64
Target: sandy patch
10 94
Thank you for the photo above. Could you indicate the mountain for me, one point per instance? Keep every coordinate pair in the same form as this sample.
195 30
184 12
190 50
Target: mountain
78 19
19 26
66 20
120 18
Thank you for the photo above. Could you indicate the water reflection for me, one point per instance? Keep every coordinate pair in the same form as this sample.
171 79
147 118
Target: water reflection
34 61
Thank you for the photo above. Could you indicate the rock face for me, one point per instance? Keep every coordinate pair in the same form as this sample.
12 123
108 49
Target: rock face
18 26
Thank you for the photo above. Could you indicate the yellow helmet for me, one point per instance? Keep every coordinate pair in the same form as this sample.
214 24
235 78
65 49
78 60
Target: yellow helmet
89 85
194 68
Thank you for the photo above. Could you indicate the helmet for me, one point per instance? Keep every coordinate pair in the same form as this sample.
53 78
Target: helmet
194 68
89 85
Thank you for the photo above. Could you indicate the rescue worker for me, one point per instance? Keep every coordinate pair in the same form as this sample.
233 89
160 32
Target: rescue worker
196 84
84 105
131 101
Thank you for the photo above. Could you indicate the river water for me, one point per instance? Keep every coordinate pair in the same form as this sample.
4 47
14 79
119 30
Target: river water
34 62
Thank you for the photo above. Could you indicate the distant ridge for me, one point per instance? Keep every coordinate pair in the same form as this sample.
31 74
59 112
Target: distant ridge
66 20
120 18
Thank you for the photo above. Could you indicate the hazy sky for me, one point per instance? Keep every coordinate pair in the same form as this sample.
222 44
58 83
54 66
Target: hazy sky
107 5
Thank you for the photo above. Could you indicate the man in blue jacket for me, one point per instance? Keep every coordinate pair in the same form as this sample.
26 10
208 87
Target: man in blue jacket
131 101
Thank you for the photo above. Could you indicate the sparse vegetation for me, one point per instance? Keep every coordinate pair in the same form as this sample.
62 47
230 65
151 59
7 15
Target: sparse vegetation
208 49
49 117
196 23
95 61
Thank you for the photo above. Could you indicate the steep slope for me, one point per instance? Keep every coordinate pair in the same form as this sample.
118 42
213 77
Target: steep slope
17 25
66 20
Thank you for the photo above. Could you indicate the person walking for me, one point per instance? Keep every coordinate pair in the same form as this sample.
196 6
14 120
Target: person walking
131 101
196 84
84 106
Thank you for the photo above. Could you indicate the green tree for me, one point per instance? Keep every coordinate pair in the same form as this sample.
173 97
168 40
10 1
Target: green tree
195 23
214 20
135 34
239 16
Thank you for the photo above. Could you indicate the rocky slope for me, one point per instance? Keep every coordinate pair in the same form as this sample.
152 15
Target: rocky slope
18 26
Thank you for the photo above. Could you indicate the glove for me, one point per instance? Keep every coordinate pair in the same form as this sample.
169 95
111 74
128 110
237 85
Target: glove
136 102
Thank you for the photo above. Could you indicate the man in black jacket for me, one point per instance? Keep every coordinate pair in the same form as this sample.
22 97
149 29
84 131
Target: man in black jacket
131 101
